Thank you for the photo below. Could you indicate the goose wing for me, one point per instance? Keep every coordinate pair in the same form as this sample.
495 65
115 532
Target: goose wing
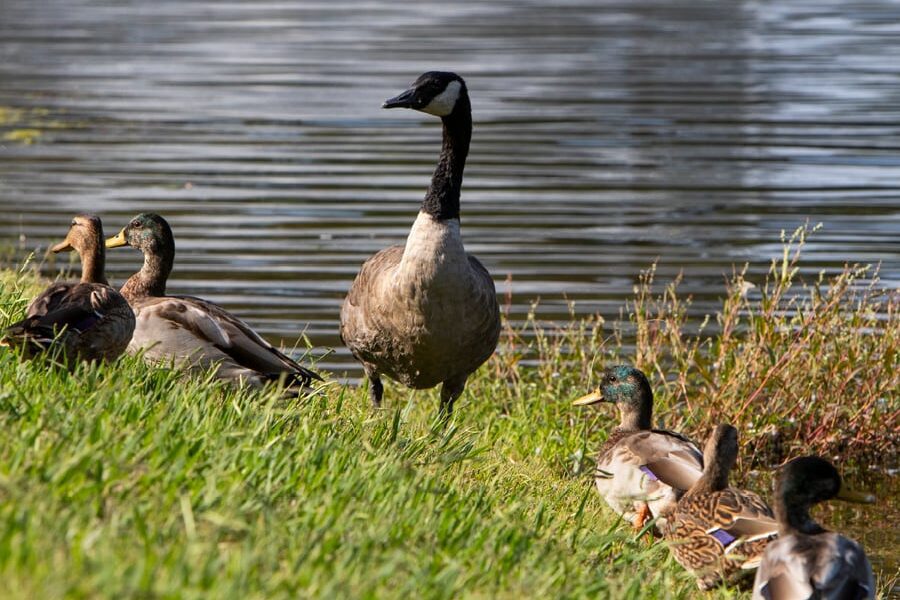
364 297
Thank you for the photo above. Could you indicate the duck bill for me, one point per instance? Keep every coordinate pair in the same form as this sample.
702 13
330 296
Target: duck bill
594 397
63 246
117 240
404 100
855 496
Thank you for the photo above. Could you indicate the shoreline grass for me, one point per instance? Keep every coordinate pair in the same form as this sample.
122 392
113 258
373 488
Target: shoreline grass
124 481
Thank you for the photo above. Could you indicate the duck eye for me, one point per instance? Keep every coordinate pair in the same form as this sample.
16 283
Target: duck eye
135 224
611 379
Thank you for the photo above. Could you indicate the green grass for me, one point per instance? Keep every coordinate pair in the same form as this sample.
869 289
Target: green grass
126 481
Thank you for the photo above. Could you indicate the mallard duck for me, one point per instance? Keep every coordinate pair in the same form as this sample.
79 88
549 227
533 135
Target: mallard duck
641 471
426 313
717 532
806 561
190 332
88 320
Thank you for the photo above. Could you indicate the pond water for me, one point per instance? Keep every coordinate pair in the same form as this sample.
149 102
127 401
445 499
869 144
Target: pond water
607 135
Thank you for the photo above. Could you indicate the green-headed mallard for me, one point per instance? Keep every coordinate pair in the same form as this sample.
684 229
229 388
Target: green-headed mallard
807 561
88 320
641 471
717 532
426 313
191 332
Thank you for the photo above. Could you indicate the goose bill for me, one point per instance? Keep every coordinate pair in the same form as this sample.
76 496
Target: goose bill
404 100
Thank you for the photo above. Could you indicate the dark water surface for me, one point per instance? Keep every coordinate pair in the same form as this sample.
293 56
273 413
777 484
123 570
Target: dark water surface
607 135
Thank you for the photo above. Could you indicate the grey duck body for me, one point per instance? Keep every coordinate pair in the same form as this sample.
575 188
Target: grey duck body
807 561
192 333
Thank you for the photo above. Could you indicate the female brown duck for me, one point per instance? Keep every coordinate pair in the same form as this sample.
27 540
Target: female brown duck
88 320
191 332
718 532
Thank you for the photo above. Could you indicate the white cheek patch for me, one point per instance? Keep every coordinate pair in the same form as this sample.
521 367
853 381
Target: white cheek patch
442 104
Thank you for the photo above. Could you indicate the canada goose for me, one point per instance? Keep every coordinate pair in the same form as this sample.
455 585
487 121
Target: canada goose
191 332
716 532
807 561
89 320
426 313
640 471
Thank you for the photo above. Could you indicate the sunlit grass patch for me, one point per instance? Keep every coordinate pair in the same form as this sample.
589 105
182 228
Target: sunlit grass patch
123 481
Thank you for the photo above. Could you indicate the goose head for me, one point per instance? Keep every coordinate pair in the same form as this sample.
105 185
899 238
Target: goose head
629 390
437 93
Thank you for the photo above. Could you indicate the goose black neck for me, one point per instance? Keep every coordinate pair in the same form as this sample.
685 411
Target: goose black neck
442 199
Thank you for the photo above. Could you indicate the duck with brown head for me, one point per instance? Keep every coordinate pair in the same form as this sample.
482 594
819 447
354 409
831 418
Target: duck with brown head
718 532
641 471
426 313
189 332
88 320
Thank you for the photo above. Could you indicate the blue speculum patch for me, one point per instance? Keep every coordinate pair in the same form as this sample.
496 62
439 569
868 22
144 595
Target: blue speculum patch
723 536
650 474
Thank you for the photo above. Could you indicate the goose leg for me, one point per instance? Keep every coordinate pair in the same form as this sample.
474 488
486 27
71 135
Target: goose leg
376 390
451 390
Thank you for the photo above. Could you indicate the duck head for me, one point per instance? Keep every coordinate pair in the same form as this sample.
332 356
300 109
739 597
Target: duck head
85 237
148 232
805 481
720 455
629 390
85 234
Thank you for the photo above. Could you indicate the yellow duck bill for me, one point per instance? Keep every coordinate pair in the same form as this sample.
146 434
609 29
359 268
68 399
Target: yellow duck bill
593 398
117 240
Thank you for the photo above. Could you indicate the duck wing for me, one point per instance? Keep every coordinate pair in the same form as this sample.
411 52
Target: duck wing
209 323
669 457
96 319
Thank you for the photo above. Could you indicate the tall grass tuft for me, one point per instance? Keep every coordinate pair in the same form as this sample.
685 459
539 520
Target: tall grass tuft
811 366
